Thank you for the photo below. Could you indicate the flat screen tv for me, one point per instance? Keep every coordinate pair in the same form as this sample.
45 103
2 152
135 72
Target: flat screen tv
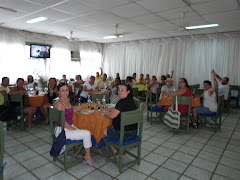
39 51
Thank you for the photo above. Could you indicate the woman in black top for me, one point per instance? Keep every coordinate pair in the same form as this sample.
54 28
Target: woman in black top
126 103
52 94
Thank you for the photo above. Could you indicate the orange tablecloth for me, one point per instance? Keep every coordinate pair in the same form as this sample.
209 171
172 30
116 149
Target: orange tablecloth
95 123
37 100
168 102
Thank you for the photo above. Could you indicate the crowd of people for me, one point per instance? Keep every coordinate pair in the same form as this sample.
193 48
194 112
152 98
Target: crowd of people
120 88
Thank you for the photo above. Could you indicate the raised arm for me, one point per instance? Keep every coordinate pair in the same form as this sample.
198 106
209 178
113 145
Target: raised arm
101 72
217 76
172 74
213 89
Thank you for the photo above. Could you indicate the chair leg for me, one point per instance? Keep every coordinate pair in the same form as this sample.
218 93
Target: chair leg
107 153
147 115
120 165
151 118
139 154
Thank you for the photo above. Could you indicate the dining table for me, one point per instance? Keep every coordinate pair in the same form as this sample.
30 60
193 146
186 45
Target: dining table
94 122
98 92
140 87
167 101
37 100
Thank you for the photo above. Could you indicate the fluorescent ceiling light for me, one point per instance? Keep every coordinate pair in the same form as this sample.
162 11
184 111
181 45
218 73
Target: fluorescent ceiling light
202 26
112 36
39 19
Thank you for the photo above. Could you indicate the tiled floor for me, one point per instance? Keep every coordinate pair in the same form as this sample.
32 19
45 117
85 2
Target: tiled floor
166 155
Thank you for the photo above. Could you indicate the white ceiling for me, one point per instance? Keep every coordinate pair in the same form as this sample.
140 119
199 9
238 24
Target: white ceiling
91 20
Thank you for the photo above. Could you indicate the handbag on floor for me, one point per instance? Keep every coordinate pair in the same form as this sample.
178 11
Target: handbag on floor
172 117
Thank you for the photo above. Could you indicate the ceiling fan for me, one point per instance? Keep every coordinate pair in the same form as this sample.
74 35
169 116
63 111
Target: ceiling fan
116 35
71 38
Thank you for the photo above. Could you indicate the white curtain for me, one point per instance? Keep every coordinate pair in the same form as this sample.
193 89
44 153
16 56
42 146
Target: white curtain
15 58
192 57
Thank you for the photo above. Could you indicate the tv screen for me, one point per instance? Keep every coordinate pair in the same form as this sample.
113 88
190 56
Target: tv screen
39 51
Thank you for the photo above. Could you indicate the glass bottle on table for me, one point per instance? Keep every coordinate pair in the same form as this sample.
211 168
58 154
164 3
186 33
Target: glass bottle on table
89 101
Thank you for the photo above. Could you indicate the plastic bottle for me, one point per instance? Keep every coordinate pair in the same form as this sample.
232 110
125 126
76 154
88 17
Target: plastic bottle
104 100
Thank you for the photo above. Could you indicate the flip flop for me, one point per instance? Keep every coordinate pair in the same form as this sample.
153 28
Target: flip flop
90 163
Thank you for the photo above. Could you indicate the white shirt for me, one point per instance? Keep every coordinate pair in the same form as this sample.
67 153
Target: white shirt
223 90
210 101
30 85
166 90
134 82
89 87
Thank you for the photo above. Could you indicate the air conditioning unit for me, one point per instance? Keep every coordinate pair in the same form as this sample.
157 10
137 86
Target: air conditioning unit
75 56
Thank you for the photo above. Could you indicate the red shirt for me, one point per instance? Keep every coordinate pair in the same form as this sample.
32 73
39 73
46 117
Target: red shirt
184 108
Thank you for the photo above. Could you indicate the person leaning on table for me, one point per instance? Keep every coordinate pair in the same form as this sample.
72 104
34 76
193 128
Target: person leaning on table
126 103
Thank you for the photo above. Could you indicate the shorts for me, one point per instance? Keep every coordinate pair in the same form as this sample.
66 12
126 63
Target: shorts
203 110
115 134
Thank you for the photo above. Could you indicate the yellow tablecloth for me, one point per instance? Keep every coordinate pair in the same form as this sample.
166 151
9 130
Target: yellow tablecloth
95 123
141 87
168 102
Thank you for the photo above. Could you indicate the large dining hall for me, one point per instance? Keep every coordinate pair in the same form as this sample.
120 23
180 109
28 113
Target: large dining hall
119 89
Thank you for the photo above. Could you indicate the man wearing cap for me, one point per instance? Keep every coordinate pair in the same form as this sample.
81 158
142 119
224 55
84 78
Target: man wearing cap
167 88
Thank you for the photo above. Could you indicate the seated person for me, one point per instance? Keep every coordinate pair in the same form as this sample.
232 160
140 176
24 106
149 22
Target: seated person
103 82
117 77
129 80
167 88
126 103
72 132
147 80
64 79
134 81
141 80
98 77
29 110
88 86
168 75
30 82
209 101
163 80
153 85
223 88
4 89
52 94
78 79
117 82
184 90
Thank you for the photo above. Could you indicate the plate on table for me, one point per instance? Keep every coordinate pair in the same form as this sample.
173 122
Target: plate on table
87 111
111 105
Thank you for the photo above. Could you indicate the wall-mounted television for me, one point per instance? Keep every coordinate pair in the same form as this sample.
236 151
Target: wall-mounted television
39 51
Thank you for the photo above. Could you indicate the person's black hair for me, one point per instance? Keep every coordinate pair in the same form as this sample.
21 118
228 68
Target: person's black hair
80 77
227 79
3 78
168 75
129 88
61 84
20 79
185 82
135 73
154 77
28 79
164 77
141 74
118 79
208 82
92 77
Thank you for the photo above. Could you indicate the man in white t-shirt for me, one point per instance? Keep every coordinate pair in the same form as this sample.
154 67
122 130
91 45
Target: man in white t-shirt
167 88
209 101
223 88
88 86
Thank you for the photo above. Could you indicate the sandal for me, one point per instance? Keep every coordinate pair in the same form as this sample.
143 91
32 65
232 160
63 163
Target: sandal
90 163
